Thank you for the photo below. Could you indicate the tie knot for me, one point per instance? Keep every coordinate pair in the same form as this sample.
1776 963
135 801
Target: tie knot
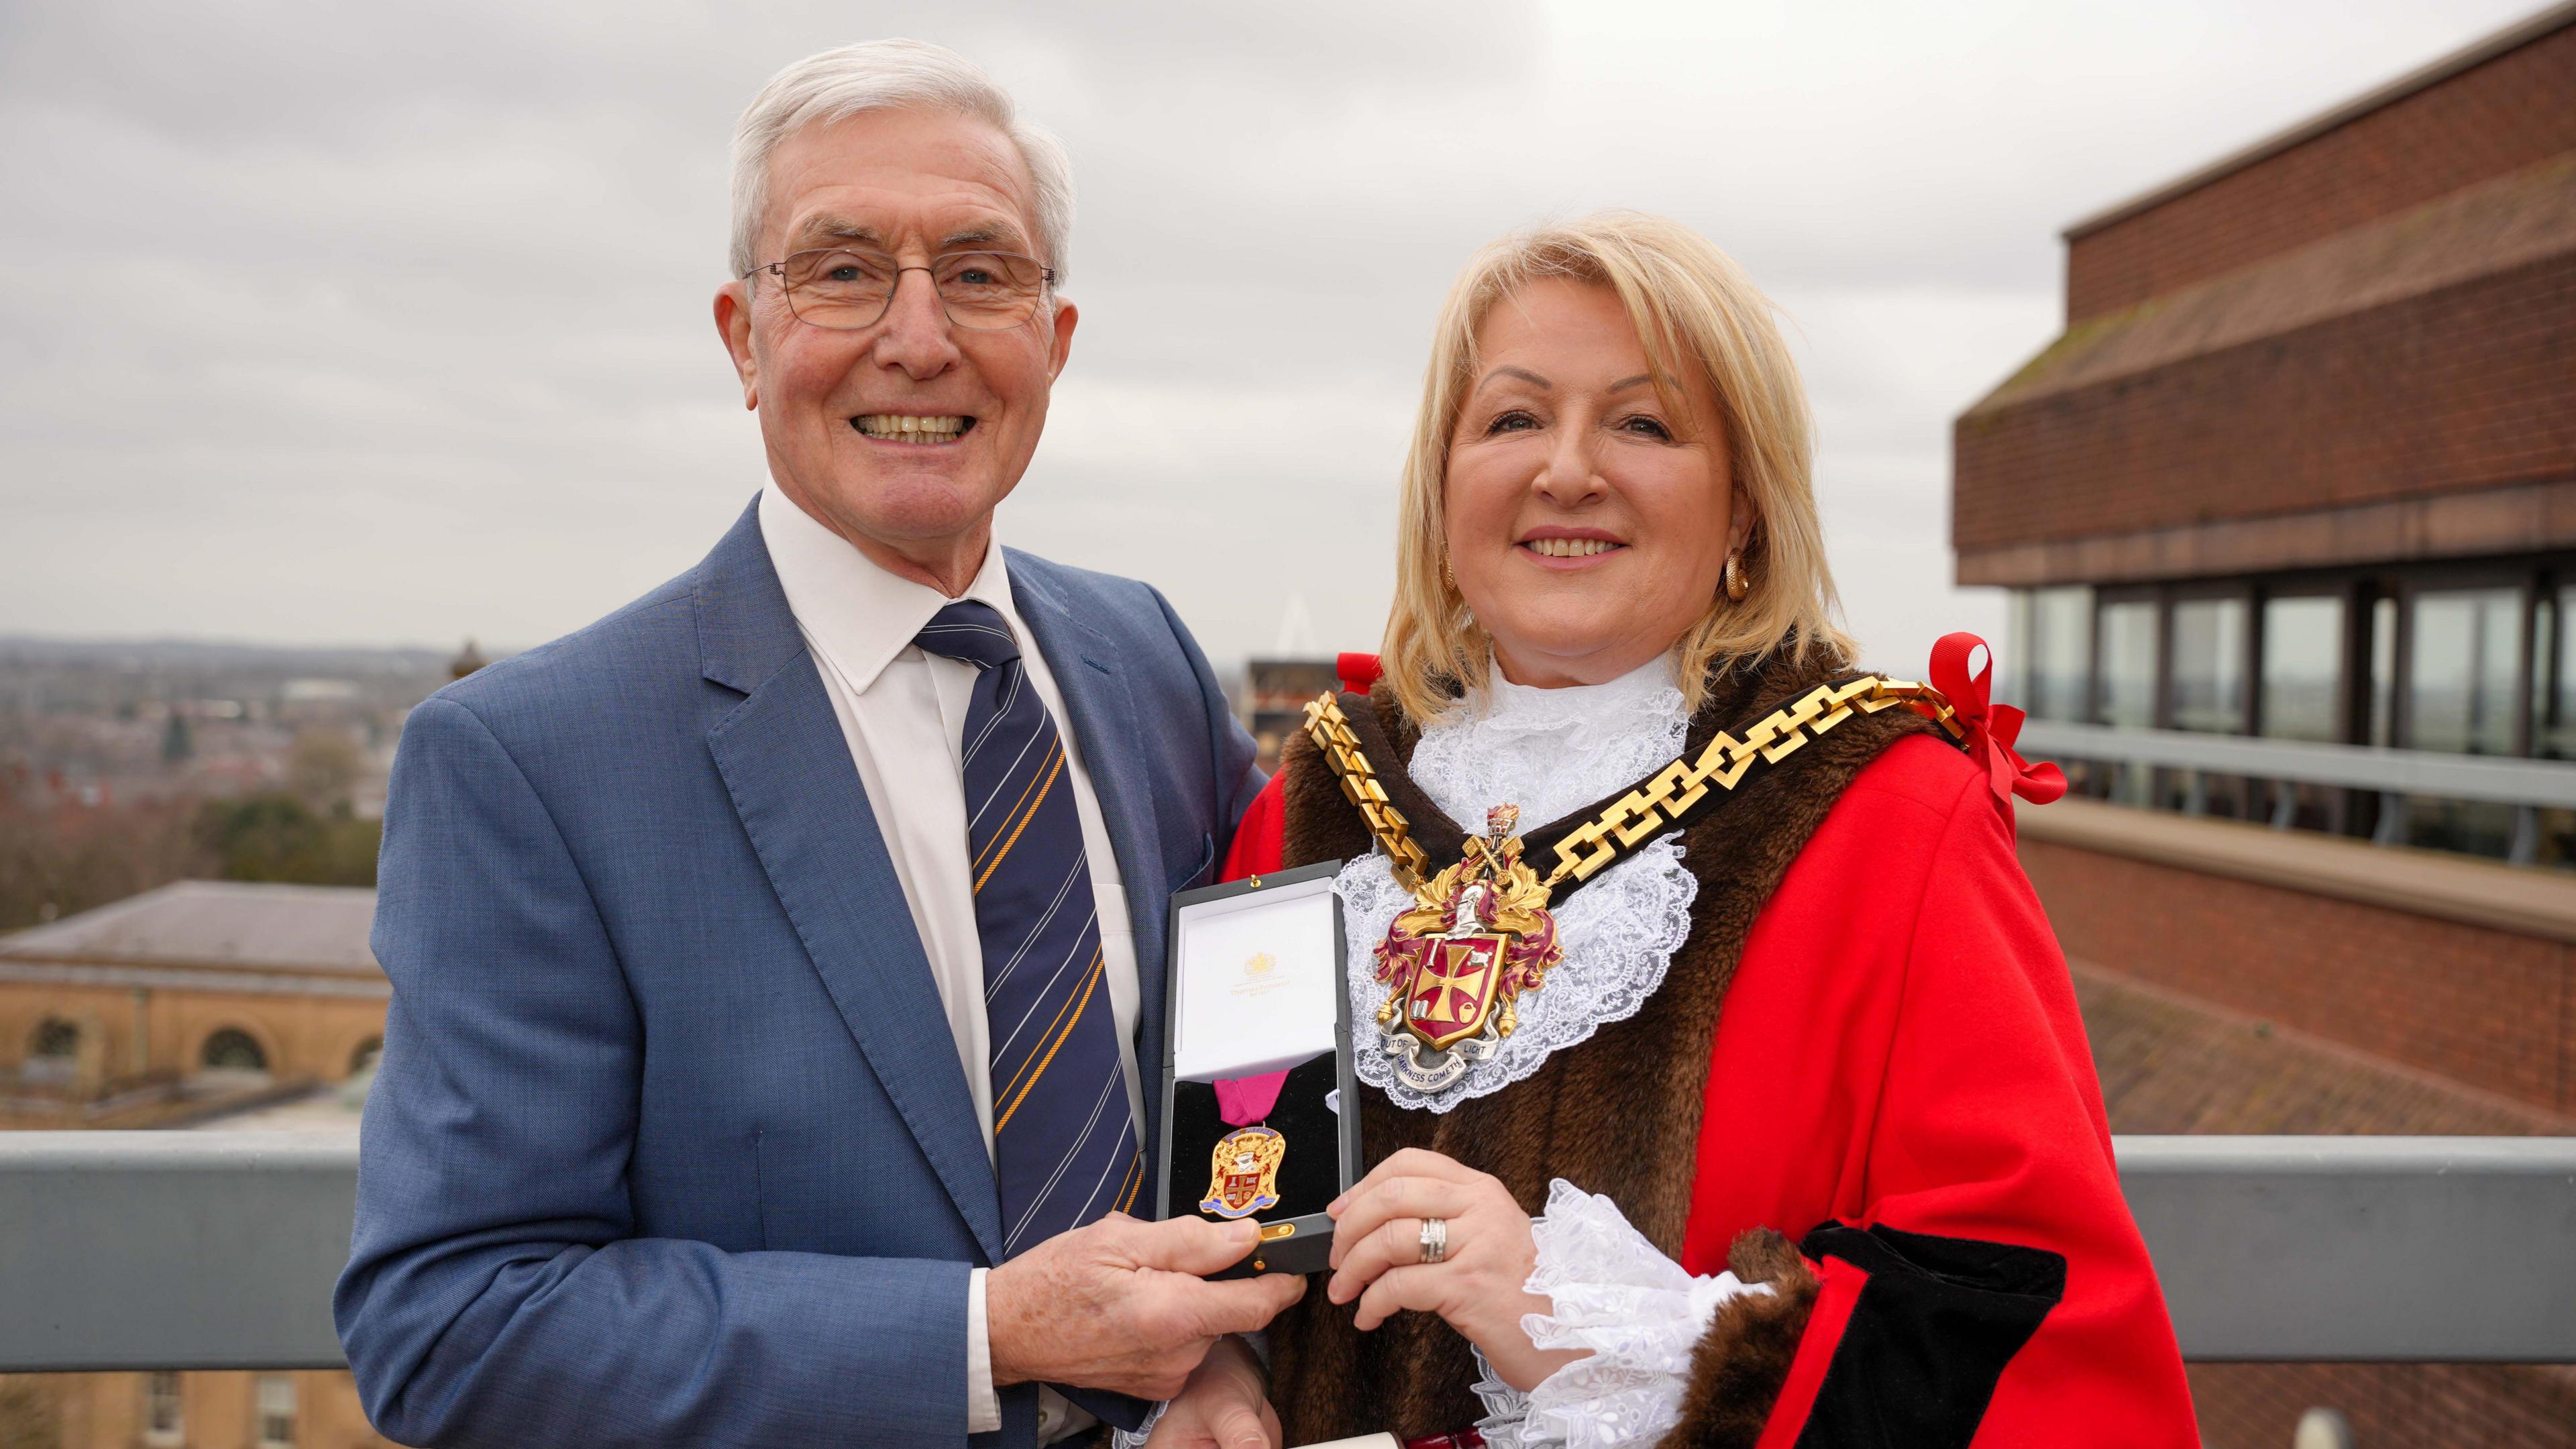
970 631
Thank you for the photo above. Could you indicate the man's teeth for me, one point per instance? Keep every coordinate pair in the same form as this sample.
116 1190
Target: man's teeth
1570 547
907 428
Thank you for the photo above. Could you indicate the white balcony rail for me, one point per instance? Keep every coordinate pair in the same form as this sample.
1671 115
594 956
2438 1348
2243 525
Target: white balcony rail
2527 785
147 1250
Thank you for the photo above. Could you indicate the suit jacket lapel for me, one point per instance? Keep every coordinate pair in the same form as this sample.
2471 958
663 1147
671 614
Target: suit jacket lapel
789 771
1104 724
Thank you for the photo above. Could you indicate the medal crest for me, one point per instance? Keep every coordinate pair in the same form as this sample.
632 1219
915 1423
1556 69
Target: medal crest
1244 1174
1478 936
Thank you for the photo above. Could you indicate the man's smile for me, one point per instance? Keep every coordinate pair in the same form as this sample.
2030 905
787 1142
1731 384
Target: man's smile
917 429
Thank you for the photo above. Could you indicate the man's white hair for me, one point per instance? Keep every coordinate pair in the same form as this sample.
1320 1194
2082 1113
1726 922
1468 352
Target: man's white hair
881 74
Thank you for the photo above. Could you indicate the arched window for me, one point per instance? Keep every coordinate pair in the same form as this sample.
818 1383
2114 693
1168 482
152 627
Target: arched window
233 1050
54 1037
364 1057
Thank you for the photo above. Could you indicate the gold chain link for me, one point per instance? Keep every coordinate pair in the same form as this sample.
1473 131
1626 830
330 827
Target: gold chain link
1330 729
1651 808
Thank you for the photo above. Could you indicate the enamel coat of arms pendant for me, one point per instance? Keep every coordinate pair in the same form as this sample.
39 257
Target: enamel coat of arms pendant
1478 936
1244 1175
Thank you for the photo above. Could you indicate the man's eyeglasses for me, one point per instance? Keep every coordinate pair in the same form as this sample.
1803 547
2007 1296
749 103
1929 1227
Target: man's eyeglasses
846 288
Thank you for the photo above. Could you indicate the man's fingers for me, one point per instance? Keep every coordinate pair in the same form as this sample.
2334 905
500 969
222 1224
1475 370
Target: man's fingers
1191 1245
1244 1305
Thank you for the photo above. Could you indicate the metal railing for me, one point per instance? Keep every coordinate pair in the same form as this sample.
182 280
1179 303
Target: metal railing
141 1250
2529 786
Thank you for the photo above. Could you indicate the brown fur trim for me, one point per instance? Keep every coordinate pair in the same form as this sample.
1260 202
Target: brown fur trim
1743 1360
1618 1114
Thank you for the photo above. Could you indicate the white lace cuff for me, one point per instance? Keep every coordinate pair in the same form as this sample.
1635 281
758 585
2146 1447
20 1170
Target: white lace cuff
1135 1438
1637 1311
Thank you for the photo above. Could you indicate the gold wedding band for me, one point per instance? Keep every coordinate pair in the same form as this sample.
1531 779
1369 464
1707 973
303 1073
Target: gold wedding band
1435 1239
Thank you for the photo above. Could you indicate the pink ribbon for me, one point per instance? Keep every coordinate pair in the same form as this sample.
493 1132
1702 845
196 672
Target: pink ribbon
1991 728
1247 1100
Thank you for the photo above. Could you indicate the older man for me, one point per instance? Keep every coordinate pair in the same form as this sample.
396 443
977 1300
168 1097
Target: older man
773 959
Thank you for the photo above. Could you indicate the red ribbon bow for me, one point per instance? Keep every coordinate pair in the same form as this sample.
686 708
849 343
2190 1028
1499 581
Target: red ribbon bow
1992 728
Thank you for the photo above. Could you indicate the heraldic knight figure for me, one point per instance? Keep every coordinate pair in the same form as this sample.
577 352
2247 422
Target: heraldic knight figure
1478 936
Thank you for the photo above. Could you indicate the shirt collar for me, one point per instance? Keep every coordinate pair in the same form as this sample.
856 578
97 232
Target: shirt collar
856 614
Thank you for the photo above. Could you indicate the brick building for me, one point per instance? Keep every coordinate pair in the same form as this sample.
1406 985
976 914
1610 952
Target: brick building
2301 470
2303 464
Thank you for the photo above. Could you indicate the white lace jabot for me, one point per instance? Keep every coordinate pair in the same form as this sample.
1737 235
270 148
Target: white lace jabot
1549 751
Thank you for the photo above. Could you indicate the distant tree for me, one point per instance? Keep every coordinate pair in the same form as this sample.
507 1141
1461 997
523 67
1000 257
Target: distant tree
176 743
57 861
322 766
276 836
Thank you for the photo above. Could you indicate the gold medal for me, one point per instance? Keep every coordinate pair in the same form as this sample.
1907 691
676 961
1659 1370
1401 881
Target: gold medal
1244 1176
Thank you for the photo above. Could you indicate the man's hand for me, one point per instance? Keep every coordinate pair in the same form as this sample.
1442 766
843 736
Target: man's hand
1224 1405
1119 1304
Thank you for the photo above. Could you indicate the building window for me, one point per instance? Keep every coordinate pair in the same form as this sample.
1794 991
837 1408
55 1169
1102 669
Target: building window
2129 664
2209 666
2383 673
164 1425
2302 668
276 1412
2053 629
54 1037
233 1050
2462 659
2553 677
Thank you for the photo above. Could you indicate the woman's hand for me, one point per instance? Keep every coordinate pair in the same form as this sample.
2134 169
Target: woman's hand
1476 1288
1223 1406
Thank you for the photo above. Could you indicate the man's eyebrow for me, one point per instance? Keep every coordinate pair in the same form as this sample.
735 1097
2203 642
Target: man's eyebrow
982 234
1523 373
829 228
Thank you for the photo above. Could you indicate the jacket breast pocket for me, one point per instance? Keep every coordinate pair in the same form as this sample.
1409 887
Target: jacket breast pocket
1202 866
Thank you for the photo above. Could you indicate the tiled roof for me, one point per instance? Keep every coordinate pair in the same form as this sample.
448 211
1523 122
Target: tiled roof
2524 217
215 923
2172 1063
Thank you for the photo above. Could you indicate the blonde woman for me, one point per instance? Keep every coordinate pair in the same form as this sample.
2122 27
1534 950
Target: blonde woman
1722 1078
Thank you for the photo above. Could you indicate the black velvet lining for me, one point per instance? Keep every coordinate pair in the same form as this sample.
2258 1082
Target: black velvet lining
1930 1336
1309 1175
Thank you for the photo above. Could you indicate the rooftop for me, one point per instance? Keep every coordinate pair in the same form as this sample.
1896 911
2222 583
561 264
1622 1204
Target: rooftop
206 923
2556 17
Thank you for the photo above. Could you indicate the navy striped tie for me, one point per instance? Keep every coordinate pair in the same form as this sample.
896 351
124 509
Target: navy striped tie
1064 1141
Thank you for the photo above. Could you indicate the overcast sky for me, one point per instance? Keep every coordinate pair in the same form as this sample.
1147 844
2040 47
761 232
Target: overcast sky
388 323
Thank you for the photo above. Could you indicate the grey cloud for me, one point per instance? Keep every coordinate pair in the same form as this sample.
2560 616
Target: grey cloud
389 322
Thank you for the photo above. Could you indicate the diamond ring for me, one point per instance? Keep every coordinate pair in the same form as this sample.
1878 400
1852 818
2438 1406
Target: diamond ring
1435 1239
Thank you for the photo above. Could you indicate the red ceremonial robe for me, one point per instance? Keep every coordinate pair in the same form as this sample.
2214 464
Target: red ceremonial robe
1900 1075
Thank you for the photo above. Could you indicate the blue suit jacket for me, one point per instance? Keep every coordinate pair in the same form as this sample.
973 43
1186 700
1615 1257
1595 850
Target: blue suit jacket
669 1144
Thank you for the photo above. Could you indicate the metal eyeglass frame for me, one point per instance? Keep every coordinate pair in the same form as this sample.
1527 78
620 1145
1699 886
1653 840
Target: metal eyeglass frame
777 270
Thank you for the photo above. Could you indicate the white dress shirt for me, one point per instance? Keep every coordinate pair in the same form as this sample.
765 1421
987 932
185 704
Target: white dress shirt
903 712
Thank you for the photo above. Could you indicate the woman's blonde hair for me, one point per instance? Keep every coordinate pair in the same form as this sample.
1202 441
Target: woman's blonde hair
1693 307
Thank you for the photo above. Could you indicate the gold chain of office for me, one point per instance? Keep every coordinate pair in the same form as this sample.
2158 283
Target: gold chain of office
1665 800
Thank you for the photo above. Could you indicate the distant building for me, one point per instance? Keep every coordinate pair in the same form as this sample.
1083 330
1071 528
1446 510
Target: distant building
2302 465
206 1003
1273 705
186 1000
2302 470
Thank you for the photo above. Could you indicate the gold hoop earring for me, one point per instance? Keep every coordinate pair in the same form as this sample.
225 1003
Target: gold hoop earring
1736 587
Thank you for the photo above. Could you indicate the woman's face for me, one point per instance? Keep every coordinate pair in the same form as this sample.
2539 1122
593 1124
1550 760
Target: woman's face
1588 524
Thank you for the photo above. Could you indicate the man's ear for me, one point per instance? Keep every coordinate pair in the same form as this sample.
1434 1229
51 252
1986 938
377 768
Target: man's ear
733 324
1066 315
